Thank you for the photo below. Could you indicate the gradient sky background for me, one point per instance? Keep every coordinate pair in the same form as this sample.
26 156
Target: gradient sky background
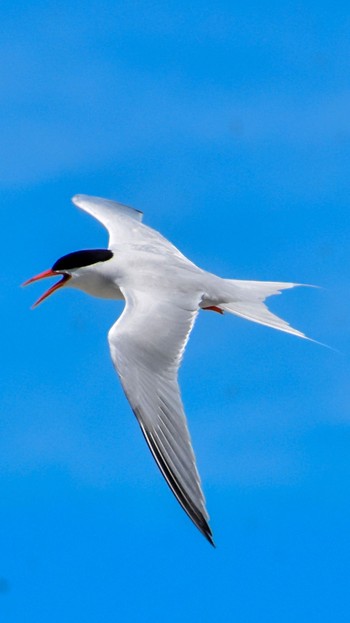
229 126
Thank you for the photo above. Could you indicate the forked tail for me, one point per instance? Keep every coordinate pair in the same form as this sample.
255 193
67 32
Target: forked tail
246 299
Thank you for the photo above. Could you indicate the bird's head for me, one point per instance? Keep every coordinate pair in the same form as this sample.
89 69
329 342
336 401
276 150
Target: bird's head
70 267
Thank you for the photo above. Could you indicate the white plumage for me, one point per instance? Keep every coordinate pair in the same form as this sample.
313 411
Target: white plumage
163 293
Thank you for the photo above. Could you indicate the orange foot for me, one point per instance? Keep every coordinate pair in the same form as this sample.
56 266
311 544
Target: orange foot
214 308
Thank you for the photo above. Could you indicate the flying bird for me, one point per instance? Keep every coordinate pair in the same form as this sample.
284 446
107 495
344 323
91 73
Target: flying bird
163 293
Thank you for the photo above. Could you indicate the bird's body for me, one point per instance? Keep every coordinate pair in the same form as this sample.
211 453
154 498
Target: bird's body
163 292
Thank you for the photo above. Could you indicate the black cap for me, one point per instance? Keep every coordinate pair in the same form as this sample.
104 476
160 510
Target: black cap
82 258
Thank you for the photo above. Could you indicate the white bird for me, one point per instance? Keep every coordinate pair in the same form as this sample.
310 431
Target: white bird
163 293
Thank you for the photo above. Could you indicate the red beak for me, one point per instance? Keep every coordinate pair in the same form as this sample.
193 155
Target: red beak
56 286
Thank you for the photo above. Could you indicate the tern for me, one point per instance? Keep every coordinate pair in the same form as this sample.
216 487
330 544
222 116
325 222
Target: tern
163 293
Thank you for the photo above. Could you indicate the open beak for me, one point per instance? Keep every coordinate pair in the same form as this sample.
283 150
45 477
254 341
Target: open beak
56 286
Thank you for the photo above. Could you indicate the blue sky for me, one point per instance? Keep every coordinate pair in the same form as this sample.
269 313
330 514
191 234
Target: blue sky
229 127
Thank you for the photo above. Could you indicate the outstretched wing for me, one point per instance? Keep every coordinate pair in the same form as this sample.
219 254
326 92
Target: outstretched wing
121 221
147 344
124 225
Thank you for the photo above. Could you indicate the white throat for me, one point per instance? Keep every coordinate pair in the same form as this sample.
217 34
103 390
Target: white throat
95 281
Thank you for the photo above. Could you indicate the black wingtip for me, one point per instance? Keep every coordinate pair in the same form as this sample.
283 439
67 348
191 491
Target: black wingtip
195 514
210 539
204 528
